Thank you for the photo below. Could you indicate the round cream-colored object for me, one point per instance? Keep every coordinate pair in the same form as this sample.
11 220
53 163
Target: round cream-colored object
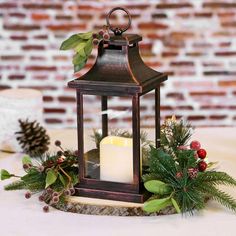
17 104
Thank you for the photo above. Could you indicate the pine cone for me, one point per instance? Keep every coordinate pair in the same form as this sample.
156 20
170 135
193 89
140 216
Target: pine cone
32 138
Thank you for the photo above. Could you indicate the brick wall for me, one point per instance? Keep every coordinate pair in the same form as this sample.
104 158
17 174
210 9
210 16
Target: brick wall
193 41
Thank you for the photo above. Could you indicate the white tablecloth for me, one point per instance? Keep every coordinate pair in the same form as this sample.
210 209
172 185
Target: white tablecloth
21 217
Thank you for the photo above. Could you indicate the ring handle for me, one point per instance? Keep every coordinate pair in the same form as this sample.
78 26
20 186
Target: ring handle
117 30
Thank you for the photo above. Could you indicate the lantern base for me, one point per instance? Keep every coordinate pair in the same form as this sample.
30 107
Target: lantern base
112 195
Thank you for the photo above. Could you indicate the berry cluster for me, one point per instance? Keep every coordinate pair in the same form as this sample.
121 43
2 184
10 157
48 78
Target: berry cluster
200 155
101 35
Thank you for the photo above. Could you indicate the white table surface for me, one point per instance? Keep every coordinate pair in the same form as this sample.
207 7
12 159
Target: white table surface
21 217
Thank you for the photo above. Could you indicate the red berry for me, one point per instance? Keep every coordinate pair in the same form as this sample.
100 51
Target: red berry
94 35
195 145
58 143
202 153
192 172
55 199
45 208
101 32
202 165
27 195
106 36
41 198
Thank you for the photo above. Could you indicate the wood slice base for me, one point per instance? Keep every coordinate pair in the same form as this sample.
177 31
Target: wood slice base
90 206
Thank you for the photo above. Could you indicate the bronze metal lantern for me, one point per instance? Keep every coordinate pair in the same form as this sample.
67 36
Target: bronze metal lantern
118 71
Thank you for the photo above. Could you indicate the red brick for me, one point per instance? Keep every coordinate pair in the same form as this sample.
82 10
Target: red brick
226 14
183 15
218 117
41 88
222 4
40 16
8 5
189 108
152 26
226 53
228 83
225 44
181 35
169 54
66 27
12 57
64 17
16 77
195 54
213 73
41 68
40 77
19 37
54 110
137 6
212 64
154 36
87 7
17 15
203 14
159 15
47 99
175 95
38 58
212 107
173 5
42 6
41 36
208 93
229 24
196 118
2 86
19 27
66 99
166 108
182 63
33 47
202 45
53 121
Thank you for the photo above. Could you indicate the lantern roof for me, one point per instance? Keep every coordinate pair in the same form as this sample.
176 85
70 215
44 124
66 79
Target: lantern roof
119 68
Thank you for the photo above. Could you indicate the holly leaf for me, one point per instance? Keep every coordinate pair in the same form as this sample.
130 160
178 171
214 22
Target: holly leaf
26 160
176 206
87 35
156 205
4 174
51 177
71 42
157 187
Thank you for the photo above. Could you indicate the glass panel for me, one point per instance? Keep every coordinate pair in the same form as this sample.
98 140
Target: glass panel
108 157
147 125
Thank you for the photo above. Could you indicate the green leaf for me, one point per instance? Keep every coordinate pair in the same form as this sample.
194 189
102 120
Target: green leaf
63 181
26 160
4 174
89 47
80 48
175 204
71 42
87 35
51 177
78 59
156 205
157 187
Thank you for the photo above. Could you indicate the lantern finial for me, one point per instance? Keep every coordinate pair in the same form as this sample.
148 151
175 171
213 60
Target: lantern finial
117 30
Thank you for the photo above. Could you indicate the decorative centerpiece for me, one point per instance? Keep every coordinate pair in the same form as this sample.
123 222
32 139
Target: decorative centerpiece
125 174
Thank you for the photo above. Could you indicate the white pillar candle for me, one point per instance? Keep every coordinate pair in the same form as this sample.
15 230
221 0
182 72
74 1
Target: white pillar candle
17 104
116 159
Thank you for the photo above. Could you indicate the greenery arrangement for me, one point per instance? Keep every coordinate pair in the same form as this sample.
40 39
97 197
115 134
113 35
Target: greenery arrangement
53 176
82 44
180 176
176 174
